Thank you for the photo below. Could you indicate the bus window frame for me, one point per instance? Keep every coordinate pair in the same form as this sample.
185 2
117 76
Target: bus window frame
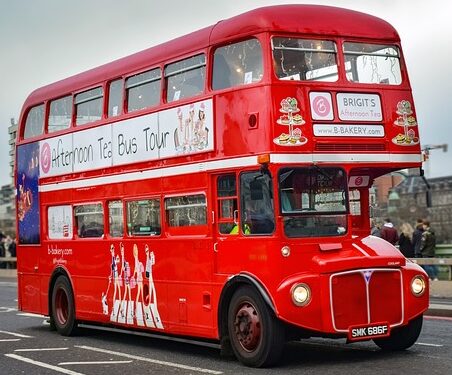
107 97
71 122
126 221
98 85
125 108
187 230
76 235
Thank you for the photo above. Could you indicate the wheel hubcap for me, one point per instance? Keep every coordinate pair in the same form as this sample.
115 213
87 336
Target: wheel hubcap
61 307
247 327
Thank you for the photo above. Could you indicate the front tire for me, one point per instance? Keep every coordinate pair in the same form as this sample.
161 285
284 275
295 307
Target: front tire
402 338
63 308
257 337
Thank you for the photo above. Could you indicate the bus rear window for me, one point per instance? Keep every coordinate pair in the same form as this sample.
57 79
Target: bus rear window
237 64
372 63
88 106
305 59
185 78
34 125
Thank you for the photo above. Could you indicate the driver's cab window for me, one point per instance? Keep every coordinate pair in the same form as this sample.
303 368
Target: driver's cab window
256 197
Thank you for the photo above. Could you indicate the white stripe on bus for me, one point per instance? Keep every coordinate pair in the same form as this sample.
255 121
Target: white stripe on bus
246 161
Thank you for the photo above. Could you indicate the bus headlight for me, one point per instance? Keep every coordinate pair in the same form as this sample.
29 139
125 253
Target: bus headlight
418 286
301 294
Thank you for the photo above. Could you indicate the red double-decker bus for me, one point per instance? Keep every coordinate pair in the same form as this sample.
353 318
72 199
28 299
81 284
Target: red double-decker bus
217 186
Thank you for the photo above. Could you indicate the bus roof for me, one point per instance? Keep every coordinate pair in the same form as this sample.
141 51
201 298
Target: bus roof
300 19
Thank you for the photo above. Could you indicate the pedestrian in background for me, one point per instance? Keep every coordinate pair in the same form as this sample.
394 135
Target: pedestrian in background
428 244
389 233
406 246
417 237
374 228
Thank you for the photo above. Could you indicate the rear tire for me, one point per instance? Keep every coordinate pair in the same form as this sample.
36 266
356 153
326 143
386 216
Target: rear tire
402 338
63 308
257 337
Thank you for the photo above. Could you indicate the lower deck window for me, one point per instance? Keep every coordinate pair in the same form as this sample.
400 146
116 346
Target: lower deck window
89 220
143 217
185 211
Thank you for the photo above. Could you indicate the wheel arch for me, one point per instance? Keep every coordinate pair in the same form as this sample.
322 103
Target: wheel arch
234 283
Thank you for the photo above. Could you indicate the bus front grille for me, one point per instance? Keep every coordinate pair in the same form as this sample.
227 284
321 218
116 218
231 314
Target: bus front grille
367 296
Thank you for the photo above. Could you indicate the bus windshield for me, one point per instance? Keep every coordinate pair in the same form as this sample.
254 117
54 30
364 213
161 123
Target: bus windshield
304 59
313 201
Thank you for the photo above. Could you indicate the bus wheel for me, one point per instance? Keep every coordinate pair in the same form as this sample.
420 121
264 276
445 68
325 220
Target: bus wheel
402 338
63 309
256 336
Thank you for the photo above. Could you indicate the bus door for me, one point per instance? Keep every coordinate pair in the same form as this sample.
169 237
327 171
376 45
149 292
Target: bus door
244 211
226 231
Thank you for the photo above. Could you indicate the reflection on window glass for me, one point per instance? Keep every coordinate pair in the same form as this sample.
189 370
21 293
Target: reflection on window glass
115 98
313 201
60 115
115 219
143 90
355 202
89 220
185 78
227 204
237 64
304 59
186 211
372 63
34 125
256 198
88 106
60 222
143 217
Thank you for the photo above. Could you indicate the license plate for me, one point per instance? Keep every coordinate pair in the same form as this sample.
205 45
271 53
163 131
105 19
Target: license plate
368 331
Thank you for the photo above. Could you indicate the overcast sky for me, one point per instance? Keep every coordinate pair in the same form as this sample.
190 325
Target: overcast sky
42 41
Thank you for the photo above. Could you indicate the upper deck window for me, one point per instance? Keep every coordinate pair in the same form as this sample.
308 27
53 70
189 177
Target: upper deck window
372 63
237 64
88 106
34 125
60 115
115 98
305 59
143 90
185 78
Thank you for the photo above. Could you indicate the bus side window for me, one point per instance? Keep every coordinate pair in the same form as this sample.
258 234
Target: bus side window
237 64
143 90
227 204
34 125
143 217
115 98
185 78
88 106
60 116
115 218
89 220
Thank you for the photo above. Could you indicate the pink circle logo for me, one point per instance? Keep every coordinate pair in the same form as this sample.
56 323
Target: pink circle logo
45 158
321 106
358 181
